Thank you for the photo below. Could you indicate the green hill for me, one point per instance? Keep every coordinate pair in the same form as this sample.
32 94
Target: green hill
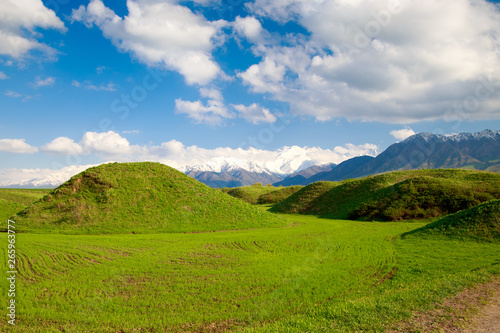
305 200
249 194
258 194
396 196
139 198
278 195
14 200
481 223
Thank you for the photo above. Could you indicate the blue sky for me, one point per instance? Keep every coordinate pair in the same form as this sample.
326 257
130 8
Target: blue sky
82 82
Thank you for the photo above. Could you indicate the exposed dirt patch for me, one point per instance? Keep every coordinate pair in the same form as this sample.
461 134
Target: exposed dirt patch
473 310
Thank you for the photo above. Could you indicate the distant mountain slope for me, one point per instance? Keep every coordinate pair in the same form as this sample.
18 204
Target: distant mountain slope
139 198
431 151
233 178
343 171
395 195
237 172
303 177
477 151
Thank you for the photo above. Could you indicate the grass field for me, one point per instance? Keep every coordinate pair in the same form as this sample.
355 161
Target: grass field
317 275
14 200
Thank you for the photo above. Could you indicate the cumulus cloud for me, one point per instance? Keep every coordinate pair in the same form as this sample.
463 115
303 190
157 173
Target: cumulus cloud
62 145
109 143
16 146
250 28
18 21
160 34
110 146
39 82
254 113
402 133
212 112
3 76
106 144
375 61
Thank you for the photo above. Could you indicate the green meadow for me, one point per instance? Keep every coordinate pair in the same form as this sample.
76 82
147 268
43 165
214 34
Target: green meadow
268 273
317 275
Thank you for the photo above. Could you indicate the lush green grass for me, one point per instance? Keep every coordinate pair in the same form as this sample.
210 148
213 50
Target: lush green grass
394 196
480 223
139 198
318 276
249 194
304 200
280 194
262 195
15 200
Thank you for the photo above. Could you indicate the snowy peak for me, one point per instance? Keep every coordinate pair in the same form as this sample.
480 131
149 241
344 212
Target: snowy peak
486 134
280 162
220 165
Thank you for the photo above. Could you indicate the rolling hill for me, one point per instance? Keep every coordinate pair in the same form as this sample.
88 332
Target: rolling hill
139 198
258 194
395 196
481 223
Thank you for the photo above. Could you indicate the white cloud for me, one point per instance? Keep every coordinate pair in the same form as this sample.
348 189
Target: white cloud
17 146
255 113
3 76
101 69
382 62
18 21
160 34
131 132
62 145
39 82
350 150
91 86
13 94
212 113
110 146
109 143
39 177
402 133
250 28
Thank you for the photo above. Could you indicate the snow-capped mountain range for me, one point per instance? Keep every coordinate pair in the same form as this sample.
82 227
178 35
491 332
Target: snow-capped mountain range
424 150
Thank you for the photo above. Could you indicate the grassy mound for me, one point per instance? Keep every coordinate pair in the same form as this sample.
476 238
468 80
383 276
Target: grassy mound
249 194
397 196
305 200
139 198
14 200
481 223
278 195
